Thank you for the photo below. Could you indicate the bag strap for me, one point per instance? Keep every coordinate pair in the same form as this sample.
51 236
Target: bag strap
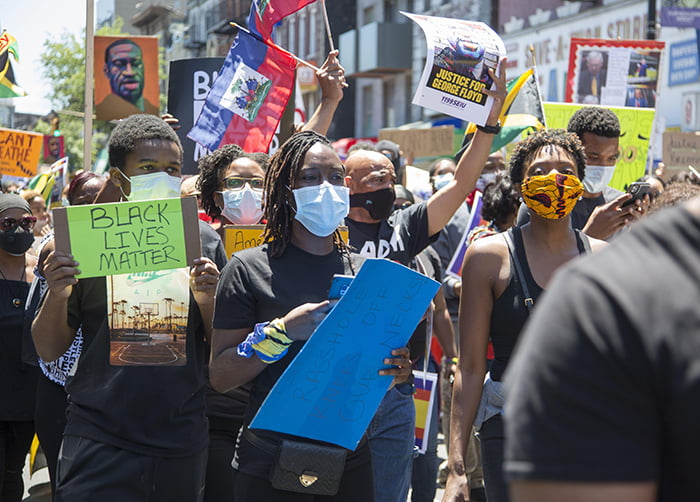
583 239
527 299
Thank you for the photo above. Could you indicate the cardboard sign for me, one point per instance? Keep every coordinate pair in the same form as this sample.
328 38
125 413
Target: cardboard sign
635 125
681 149
239 237
128 237
20 152
431 142
332 388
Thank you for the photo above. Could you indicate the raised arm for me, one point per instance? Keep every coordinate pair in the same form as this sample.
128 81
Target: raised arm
443 204
331 78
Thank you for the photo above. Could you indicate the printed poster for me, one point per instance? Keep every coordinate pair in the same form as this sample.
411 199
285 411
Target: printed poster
126 76
614 72
456 68
424 400
147 313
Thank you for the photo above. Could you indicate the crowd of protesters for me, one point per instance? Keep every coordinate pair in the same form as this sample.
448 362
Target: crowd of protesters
155 433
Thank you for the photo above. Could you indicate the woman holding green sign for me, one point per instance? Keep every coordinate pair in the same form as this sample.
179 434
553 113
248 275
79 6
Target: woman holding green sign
269 301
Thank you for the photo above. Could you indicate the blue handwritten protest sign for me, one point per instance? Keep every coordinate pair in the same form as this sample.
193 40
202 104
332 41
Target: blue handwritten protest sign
332 389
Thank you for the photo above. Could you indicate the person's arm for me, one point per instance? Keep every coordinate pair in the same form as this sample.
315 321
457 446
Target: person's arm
482 264
550 491
228 370
442 326
204 276
331 78
51 332
443 204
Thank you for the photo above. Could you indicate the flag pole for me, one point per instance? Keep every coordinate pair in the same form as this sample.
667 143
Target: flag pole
89 79
328 25
275 46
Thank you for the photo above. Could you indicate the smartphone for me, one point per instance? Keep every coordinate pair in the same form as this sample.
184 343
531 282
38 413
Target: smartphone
339 285
638 189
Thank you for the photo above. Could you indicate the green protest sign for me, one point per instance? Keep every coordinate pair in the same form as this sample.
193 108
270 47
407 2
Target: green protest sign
126 237
636 128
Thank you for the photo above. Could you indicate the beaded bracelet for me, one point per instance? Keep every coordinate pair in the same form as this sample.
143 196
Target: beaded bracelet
268 340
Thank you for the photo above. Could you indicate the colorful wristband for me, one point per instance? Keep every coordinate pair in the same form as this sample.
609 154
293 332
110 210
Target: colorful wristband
268 340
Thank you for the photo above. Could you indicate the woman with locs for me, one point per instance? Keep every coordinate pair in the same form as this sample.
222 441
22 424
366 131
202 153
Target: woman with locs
271 298
503 276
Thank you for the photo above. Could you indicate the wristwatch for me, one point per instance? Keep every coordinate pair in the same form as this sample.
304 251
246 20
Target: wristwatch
490 129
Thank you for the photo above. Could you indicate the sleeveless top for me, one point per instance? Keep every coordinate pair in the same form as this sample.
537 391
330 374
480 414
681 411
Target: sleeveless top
509 313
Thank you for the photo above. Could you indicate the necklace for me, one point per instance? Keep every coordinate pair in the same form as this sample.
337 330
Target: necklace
17 301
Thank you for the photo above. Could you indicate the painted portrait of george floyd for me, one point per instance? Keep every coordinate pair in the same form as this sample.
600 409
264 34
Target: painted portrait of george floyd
126 76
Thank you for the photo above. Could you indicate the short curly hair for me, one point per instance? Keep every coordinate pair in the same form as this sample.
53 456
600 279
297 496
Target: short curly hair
527 149
212 169
137 128
595 120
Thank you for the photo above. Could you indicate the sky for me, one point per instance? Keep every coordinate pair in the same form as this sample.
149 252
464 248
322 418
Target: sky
32 22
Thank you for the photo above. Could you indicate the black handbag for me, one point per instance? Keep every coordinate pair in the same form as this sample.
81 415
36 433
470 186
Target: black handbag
308 468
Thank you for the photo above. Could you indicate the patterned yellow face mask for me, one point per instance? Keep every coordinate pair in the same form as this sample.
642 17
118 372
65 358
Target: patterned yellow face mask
551 196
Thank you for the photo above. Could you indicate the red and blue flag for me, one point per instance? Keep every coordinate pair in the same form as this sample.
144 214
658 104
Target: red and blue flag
246 101
264 14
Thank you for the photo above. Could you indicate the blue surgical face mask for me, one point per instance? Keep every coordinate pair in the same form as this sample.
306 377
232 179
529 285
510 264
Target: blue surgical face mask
322 208
158 185
442 179
242 207
597 177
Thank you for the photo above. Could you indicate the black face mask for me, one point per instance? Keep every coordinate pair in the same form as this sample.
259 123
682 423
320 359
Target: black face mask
16 243
379 203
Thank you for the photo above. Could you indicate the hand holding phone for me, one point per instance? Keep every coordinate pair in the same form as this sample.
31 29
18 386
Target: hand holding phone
339 286
638 190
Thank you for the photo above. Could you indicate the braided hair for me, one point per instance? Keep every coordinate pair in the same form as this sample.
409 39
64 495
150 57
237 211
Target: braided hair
284 169
212 169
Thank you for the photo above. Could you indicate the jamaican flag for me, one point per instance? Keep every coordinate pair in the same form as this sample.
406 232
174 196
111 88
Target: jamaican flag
8 84
522 110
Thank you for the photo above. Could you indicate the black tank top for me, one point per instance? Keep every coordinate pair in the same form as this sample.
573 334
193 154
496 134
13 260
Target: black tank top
509 313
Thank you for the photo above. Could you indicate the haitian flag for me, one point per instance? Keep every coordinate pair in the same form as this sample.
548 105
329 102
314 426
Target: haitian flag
247 99
264 14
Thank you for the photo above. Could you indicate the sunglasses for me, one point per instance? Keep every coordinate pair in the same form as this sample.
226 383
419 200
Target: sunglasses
237 183
9 224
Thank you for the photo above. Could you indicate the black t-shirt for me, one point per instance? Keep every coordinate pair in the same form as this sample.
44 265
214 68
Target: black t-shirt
150 410
399 238
582 210
605 385
255 287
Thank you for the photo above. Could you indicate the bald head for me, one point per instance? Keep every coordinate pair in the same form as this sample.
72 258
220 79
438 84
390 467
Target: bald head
367 171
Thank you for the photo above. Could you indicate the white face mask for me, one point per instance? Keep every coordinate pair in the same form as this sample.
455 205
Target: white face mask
242 207
150 186
321 208
442 179
484 180
597 178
